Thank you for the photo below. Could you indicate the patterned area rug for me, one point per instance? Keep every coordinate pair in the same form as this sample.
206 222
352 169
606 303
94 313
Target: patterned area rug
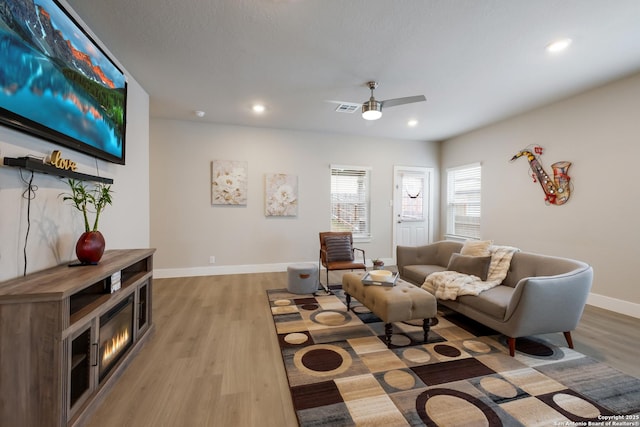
342 374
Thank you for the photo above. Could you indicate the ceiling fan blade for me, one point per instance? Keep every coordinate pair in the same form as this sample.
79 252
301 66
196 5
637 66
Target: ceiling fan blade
400 101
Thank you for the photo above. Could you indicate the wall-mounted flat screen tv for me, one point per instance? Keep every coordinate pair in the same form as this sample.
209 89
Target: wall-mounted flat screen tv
57 83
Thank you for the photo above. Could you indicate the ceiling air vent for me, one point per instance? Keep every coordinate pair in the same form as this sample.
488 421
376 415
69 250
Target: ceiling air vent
347 107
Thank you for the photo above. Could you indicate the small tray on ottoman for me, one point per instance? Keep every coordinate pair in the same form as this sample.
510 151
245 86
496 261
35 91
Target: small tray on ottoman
389 281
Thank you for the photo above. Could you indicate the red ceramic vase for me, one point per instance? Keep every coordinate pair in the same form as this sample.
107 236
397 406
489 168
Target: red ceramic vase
90 247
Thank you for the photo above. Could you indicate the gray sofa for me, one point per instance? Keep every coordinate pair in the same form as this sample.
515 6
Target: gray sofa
540 294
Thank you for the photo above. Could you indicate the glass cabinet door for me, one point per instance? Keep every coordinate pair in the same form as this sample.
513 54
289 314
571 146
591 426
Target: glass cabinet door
80 382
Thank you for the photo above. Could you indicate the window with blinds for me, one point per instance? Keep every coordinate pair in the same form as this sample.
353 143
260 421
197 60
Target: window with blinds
350 206
463 201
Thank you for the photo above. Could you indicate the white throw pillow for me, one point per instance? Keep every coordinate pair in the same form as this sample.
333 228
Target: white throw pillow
476 248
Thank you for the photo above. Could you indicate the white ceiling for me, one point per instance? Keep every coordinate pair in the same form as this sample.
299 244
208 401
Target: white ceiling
476 61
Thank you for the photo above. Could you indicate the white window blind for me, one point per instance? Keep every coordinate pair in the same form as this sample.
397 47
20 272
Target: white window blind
463 201
350 206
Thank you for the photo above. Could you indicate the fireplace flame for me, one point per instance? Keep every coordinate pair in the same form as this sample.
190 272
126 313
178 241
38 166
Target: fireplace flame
112 347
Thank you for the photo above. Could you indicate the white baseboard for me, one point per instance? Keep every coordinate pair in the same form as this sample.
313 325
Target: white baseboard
165 273
619 306
613 304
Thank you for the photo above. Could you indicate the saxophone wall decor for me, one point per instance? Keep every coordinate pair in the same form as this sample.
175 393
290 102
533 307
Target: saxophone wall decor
556 190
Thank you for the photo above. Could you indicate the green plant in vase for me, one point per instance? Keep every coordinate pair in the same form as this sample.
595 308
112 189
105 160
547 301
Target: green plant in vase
91 244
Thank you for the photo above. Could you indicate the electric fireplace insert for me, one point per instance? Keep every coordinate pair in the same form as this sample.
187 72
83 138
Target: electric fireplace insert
115 335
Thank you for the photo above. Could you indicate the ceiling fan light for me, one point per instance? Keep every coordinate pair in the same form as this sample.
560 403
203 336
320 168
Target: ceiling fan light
371 110
371 115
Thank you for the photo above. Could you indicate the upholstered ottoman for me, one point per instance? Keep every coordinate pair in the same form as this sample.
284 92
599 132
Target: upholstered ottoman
303 278
398 303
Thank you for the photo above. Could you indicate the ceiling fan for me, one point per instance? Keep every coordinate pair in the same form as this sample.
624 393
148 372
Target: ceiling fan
372 109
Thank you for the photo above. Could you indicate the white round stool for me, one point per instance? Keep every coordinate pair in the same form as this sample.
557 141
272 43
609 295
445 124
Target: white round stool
303 278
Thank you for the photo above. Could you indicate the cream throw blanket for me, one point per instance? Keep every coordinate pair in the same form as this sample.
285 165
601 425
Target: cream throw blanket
448 285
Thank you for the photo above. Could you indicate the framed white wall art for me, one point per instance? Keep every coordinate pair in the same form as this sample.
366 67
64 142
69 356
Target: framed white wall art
229 182
281 195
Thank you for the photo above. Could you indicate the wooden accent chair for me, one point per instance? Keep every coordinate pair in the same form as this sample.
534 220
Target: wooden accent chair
337 253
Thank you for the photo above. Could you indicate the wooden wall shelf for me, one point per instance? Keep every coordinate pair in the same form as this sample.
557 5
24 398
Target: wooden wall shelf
50 335
37 165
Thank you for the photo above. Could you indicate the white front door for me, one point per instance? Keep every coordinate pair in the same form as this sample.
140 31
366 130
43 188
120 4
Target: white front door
412 206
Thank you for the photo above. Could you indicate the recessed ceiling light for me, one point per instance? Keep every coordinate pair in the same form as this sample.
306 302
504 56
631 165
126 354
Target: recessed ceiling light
258 108
558 45
199 113
412 123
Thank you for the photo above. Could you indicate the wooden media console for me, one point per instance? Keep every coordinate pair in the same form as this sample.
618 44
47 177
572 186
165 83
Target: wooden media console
67 332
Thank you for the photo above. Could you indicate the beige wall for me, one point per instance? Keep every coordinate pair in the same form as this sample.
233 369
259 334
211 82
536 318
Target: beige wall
186 229
599 132
55 227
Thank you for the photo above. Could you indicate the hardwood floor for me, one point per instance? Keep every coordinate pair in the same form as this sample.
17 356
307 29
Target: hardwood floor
606 336
214 359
